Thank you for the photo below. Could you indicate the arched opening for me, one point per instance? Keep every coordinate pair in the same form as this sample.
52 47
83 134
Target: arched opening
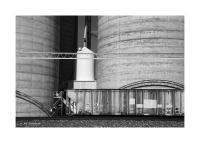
154 84
33 101
156 97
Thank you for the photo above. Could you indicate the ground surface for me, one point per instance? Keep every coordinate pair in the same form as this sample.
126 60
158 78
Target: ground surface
102 121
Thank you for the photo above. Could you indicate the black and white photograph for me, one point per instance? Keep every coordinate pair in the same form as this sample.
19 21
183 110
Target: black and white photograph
85 71
100 71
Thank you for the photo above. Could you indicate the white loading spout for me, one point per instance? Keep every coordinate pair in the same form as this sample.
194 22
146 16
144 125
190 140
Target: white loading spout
85 61
85 37
85 65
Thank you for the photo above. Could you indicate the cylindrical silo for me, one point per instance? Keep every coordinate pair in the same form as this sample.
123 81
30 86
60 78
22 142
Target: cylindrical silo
37 78
152 47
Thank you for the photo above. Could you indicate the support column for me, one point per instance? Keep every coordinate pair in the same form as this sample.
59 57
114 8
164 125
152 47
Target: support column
76 102
120 102
84 101
128 98
173 102
164 102
142 102
61 106
180 102
135 102
91 101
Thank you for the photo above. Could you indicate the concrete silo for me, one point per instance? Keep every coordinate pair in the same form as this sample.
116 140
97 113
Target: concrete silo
155 42
37 78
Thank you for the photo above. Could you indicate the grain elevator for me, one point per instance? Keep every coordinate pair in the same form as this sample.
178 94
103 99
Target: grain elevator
136 67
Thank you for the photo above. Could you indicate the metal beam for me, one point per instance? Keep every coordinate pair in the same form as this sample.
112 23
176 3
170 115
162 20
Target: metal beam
103 56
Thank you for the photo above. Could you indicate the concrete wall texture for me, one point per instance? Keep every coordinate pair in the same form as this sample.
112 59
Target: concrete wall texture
37 78
158 36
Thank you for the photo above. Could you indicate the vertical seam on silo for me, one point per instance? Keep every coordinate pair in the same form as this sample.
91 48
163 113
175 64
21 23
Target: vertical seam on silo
167 32
140 21
32 26
118 48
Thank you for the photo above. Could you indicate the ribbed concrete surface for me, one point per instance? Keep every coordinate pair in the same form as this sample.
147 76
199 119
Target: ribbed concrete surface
37 78
140 34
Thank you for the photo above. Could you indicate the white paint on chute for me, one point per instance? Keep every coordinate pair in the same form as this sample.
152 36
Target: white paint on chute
85 67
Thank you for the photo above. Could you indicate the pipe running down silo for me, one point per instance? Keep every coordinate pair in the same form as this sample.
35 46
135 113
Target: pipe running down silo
85 67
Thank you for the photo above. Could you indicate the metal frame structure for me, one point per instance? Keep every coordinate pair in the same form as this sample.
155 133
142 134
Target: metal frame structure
23 96
49 111
103 56
106 103
65 106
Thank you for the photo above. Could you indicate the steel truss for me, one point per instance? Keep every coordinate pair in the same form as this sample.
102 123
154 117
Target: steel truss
101 56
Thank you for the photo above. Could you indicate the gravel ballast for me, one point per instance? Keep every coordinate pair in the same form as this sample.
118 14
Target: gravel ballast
101 121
